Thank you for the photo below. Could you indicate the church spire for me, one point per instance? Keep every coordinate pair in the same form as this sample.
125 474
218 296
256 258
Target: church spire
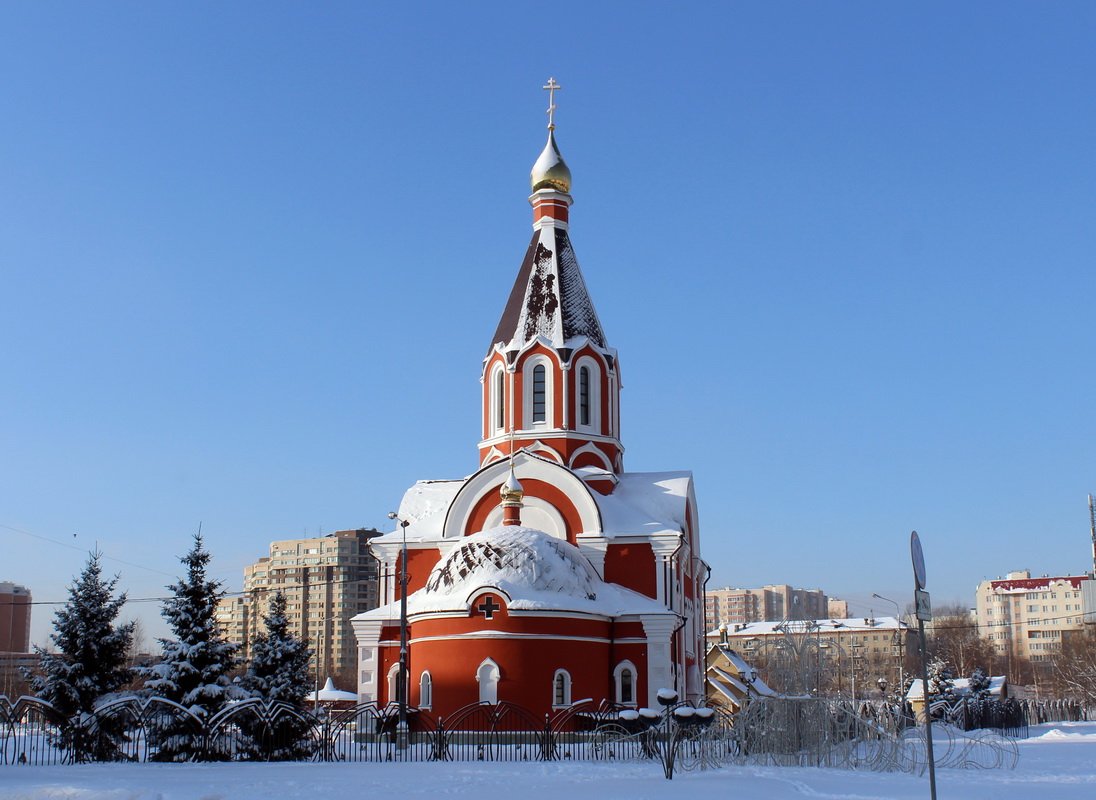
550 379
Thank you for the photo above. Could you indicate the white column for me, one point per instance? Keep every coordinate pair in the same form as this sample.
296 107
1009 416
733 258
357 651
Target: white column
658 628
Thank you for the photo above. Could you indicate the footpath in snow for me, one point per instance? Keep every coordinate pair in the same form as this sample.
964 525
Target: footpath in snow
1058 760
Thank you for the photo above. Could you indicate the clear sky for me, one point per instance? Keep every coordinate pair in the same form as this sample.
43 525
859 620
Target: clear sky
252 254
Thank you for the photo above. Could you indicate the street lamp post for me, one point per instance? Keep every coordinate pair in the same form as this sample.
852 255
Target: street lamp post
899 641
401 678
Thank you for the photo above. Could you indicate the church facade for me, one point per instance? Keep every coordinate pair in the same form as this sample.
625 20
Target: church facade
550 574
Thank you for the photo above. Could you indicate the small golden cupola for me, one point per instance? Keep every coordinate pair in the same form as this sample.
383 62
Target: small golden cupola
550 170
511 494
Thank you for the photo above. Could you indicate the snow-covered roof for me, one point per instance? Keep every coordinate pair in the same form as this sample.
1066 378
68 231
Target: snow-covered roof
824 627
329 694
534 570
646 503
549 298
960 687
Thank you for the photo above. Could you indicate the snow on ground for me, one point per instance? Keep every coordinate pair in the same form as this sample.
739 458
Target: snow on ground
1058 758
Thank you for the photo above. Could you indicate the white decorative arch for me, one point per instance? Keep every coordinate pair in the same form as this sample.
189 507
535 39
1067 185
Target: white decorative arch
494 454
496 407
535 513
541 449
526 467
487 676
625 686
590 447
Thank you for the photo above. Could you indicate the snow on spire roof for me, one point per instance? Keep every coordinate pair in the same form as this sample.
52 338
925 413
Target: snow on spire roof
549 297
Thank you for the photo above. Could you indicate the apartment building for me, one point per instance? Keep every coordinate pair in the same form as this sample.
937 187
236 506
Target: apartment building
1027 617
15 606
326 580
771 603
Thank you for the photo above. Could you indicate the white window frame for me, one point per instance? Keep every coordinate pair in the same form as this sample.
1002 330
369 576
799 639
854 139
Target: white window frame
549 392
497 400
618 675
426 690
566 678
488 675
393 678
594 425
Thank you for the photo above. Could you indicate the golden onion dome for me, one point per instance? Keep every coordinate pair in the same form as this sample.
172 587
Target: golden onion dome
550 171
511 491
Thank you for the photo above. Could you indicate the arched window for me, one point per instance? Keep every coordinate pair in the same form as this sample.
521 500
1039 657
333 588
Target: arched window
488 678
625 675
561 689
393 682
584 396
426 691
500 403
588 401
540 394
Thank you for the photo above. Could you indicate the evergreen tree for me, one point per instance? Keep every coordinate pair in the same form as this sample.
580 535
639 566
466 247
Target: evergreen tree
90 662
195 665
278 672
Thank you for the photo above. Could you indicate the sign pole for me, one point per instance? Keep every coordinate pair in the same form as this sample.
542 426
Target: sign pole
924 614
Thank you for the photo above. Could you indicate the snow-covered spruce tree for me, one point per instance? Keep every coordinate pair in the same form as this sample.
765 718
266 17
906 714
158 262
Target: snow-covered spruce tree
90 662
194 668
278 671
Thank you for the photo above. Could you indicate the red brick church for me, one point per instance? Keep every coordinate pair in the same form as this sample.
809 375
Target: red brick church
549 575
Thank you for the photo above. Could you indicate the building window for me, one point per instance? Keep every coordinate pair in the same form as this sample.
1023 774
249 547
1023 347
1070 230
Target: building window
561 689
487 676
584 396
499 399
393 681
539 394
625 676
426 691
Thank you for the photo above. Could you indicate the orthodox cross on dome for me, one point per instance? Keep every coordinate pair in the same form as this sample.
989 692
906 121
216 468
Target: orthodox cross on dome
551 87
489 607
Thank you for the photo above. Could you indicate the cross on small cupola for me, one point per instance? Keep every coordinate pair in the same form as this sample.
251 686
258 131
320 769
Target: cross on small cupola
489 607
551 87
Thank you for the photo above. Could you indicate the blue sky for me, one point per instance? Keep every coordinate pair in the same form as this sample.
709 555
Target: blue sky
251 255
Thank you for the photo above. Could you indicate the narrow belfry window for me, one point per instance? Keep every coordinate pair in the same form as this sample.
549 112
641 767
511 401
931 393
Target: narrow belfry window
539 391
584 396
500 405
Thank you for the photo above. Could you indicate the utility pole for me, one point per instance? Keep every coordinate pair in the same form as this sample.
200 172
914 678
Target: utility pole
1092 532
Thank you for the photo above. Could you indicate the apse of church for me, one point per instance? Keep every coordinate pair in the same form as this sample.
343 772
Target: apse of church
550 574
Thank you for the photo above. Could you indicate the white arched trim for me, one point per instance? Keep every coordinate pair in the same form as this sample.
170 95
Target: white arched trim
590 447
526 467
426 690
535 513
541 449
625 678
487 676
561 689
527 369
494 454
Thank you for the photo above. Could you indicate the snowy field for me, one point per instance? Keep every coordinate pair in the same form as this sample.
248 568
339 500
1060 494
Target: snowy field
1058 760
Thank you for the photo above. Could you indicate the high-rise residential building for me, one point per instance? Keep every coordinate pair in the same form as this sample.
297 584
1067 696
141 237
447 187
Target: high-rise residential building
326 580
15 609
771 603
1026 617
837 609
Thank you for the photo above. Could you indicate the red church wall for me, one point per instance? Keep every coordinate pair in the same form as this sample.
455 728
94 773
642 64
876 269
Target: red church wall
632 565
419 564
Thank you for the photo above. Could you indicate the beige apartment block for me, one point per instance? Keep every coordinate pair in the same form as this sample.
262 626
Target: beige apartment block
1027 617
870 647
772 603
326 581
